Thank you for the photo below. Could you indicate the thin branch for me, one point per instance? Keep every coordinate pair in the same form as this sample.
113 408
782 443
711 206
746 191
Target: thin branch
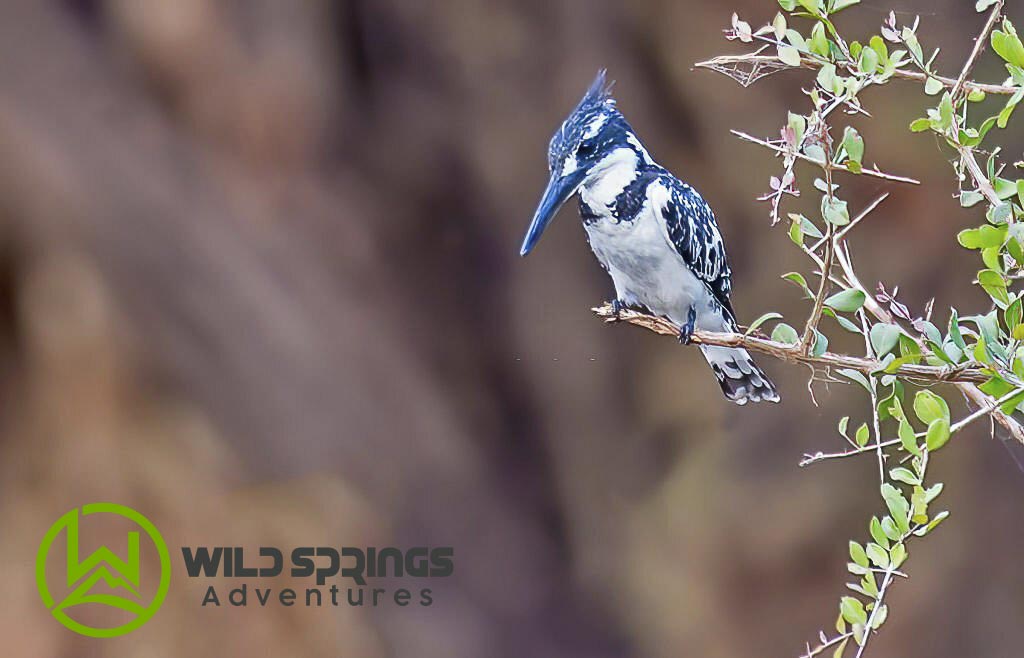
810 459
979 46
977 175
724 62
886 581
873 172
989 407
856 220
876 421
810 329
792 353
967 387
986 409
810 653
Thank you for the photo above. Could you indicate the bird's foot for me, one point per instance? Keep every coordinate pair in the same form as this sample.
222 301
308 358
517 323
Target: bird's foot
617 307
686 331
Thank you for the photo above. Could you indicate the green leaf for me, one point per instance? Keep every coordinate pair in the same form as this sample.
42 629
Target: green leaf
869 584
804 225
868 61
919 508
798 123
992 258
783 333
835 211
815 153
982 5
933 86
920 125
907 437
843 322
789 55
982 237
788 5
877 44
928 407
839 5
827 77
890 529
898 506
862 435
1004 115
884 337
854 144
852 610
819 42
1004 188
877 534
856 376
936 520
910 39
1007 44
880 616
954 330
813 6
946 112
857 554
820 343
847 301
799 280
995 285
898 555
761 320
878 555
938 434
904 475
1013 315
981 355
970 198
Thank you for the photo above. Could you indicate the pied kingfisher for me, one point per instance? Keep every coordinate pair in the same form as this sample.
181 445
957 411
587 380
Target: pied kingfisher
654 234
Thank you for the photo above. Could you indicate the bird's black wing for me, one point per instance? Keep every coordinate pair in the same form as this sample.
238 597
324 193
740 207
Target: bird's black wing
693 231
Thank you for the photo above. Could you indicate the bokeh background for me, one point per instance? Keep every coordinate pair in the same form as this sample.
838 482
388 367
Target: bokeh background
259 280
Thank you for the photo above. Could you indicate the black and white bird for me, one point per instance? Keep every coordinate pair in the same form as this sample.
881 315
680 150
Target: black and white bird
654 234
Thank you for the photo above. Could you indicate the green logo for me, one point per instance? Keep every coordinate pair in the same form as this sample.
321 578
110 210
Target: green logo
118 579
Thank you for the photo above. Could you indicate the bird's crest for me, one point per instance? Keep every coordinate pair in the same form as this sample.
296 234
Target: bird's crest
597 102
599 93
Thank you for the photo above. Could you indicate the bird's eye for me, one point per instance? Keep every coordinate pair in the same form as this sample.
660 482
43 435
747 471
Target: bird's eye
585 149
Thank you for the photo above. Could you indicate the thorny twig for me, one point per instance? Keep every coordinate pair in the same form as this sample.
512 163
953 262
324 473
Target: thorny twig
810 459
967 388
724 64
866 171
792 352
979 46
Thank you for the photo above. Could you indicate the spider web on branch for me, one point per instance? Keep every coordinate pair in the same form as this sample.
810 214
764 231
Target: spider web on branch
745 69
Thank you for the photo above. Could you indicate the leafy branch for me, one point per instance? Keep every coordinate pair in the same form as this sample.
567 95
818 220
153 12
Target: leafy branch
909 357
794 352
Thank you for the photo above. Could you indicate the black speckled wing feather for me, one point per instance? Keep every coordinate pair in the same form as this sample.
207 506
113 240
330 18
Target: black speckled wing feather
693 231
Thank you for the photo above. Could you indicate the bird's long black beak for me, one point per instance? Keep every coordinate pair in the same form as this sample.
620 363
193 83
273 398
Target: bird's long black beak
559 189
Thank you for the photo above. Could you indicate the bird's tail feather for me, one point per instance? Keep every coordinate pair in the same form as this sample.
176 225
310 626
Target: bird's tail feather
740 378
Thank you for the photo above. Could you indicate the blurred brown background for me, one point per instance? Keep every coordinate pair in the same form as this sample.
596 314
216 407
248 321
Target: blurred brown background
258 279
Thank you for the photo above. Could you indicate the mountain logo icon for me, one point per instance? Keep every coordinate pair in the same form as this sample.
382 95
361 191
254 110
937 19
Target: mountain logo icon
103 578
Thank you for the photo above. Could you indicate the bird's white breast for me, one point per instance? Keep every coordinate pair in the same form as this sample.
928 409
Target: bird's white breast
643 263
